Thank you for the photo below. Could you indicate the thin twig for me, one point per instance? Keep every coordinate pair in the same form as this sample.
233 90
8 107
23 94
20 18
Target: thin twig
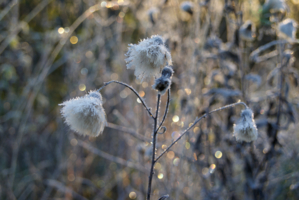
166 111
154 150
129 131
111 157
133 90
7 8
62 188
195 122
254 55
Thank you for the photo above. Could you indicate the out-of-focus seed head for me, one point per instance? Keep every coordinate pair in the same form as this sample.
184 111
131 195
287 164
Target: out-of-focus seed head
247 31
287 29
275 6
188 7
153 15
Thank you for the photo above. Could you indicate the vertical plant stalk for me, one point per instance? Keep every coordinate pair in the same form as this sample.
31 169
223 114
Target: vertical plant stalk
154 149
280 52
165 113
242 68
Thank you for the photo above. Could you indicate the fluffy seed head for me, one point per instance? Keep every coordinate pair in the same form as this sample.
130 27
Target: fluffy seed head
148 57
85 115
245 129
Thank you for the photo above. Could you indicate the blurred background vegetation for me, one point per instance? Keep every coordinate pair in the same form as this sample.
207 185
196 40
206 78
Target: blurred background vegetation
54 50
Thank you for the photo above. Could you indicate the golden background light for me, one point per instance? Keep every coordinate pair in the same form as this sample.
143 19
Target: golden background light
74 40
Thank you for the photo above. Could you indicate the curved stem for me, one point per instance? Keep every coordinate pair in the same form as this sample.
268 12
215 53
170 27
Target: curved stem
196 121
154 150
166 111
134 91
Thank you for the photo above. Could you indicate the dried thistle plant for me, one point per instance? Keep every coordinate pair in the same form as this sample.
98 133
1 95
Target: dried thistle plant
83 114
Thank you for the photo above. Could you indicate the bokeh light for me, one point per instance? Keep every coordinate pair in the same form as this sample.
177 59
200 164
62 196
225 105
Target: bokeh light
74 40
60 30
175 118
82 87
160 176
218 154
132 195
170 155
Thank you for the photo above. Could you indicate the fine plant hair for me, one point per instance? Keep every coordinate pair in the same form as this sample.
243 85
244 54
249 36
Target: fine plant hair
245 129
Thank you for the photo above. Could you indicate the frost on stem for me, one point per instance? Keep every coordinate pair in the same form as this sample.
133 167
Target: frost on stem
163 83
85 115
245 129
148 57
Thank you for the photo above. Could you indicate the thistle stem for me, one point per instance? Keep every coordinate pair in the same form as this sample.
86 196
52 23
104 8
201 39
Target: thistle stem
154 149
134 91
166 111
195 122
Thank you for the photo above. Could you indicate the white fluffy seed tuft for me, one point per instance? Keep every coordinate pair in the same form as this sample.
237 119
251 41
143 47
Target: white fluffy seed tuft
148 57
85 115
245 129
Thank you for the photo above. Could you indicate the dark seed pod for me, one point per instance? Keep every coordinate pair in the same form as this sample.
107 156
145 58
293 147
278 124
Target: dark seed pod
167 72
162 84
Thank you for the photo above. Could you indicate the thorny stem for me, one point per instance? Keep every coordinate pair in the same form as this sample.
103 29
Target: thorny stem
196 121
133 90
166 111
154 149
